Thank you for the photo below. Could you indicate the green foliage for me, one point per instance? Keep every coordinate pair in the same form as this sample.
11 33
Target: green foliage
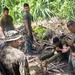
39 30
63 8
40 9
15 7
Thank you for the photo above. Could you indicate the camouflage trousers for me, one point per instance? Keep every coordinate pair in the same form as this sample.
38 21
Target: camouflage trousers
28 44
71 65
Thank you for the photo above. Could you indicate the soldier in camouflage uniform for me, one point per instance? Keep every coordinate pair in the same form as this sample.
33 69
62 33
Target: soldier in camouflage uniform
71 43
28 29
61 46
8 64
6 21
61 49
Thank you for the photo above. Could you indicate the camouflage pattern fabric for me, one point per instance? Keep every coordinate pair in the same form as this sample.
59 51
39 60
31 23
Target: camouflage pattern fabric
72 58
11 55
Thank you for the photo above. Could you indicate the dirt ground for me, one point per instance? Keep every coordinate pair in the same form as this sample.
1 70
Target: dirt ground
36 68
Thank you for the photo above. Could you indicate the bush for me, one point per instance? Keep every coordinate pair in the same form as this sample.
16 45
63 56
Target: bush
40 9
39 30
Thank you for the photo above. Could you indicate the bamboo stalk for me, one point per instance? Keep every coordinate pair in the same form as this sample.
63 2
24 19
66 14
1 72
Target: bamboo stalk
53 58
46 56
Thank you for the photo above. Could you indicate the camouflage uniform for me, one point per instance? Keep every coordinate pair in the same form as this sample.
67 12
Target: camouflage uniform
29 40
6 23
65 56
54 55
72 58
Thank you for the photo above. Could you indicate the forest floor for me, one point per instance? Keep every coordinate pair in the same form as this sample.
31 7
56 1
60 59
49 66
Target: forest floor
55 27
54 68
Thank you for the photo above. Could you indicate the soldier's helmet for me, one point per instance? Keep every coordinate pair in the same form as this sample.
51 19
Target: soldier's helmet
12 35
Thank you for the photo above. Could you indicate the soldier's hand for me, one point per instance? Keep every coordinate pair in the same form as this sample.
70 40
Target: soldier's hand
65 49
69 42
29 34
58 49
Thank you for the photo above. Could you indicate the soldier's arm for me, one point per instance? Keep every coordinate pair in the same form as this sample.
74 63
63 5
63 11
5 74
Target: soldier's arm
73 44
27 28
58 49
1 33
1 30
25 17
70 43
12 22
